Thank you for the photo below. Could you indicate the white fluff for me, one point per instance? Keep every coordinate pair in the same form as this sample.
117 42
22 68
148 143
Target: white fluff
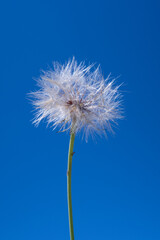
77 97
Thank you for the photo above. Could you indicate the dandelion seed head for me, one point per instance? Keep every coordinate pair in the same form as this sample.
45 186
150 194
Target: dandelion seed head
73 96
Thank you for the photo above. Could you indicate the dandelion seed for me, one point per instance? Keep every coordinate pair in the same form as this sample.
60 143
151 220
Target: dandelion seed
77 96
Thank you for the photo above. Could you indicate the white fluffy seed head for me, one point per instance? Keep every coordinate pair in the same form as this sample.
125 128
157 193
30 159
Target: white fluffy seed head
77 97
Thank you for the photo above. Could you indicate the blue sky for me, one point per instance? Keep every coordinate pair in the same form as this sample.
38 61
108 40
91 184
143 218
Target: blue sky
115 181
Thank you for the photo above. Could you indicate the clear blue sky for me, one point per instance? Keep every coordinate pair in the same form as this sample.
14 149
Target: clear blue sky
116 182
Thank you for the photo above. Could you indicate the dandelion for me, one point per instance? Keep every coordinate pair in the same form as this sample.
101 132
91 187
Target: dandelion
75 97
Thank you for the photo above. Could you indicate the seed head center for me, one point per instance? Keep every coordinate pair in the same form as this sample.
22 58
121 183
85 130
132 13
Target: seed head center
77 104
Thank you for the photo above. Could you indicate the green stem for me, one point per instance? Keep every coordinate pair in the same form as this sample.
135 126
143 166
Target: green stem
70 154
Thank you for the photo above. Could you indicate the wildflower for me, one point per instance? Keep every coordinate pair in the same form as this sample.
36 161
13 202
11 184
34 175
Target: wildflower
78 97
